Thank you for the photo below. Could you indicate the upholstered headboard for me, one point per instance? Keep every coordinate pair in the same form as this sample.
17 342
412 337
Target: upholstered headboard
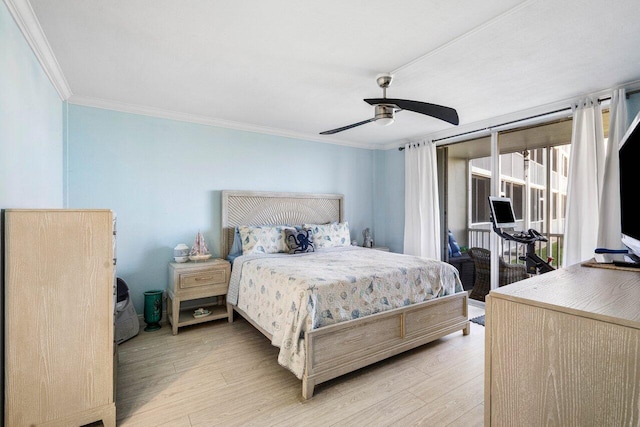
272 208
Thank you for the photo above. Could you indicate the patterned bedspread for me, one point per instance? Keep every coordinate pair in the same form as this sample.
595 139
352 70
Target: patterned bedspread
289 294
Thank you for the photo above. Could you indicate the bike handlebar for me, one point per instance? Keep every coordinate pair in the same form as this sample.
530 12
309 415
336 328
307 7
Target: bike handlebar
530 236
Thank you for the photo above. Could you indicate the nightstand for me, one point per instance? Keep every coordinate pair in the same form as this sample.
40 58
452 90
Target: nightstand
194 280
380 248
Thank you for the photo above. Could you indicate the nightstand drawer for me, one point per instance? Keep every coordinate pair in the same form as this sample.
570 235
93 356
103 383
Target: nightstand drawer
204 278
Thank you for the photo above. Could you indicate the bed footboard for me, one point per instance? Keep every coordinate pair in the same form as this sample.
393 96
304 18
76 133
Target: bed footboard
337 349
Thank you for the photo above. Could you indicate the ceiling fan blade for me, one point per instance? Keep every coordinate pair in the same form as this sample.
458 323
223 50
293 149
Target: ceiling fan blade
331 132
438 111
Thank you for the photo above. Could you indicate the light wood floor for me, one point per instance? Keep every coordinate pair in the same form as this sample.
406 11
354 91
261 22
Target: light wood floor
220 374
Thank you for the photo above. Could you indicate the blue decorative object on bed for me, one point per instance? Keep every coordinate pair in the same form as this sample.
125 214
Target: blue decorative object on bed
299 241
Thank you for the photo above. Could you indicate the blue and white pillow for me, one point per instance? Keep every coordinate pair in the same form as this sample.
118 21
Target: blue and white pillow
299 241
454 248
266 239
330 235
236 247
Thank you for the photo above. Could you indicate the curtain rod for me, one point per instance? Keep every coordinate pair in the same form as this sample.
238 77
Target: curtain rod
606 98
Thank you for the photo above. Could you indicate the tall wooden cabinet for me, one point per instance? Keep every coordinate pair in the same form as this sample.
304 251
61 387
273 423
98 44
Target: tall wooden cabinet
59 317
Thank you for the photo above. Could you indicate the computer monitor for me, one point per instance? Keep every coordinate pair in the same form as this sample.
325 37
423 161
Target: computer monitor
502 213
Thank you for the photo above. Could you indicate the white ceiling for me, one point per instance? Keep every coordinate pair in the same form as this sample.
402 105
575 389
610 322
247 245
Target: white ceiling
297 68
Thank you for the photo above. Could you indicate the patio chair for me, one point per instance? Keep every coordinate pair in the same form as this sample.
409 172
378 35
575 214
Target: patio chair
508 273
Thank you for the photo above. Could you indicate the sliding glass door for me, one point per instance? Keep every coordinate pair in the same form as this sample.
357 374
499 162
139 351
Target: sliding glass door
532 165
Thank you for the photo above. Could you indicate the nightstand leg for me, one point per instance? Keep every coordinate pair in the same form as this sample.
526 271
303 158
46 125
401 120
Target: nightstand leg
175 308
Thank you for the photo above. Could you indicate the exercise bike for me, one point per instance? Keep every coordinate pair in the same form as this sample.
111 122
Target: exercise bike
534 264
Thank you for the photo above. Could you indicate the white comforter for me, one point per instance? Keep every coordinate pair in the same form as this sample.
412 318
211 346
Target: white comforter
289 294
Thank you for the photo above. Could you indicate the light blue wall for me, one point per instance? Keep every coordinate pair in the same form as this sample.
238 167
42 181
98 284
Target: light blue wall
31 131
163 179
388 205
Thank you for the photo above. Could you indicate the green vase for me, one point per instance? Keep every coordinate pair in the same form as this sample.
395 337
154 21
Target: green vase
152 310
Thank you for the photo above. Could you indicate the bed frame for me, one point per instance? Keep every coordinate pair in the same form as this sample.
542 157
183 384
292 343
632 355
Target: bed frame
341 348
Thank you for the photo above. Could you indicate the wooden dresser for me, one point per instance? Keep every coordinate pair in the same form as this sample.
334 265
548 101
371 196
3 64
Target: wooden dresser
59 317
563 348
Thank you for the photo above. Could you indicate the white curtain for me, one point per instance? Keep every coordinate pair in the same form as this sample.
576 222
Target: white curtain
609 226
586 171
421 208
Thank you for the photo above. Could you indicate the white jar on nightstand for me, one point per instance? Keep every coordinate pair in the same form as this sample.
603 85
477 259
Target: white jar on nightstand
181 253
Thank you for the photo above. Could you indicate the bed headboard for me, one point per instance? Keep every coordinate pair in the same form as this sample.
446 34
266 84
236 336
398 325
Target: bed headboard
270 208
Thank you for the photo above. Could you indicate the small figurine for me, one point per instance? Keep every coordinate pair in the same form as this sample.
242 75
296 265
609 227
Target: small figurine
199 246
368 241
199 250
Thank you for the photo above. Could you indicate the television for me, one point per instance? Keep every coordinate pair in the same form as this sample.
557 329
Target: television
502 213
629 154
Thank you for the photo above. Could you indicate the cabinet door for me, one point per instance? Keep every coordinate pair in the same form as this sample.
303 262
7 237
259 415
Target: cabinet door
59 313
553 368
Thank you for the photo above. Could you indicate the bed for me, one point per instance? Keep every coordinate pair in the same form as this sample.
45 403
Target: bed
394 302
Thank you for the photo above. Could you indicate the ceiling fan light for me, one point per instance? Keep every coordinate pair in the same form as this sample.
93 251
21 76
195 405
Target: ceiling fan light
386 121
384 114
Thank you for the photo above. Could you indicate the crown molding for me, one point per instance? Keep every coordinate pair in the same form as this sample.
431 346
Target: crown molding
29 25
108 104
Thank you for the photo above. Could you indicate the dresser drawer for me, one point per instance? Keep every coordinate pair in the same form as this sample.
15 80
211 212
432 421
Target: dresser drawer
217 278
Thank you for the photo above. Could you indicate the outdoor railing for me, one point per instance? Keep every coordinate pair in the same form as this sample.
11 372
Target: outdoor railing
512 251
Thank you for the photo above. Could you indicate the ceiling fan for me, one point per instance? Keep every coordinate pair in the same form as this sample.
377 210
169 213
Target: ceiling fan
385 108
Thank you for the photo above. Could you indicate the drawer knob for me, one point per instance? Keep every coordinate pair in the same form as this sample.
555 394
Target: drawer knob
204 278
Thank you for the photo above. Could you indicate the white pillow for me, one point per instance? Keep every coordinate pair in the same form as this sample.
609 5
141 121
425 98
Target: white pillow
265 239
330 235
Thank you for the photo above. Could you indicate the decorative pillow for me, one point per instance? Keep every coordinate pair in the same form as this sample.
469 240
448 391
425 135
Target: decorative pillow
236 247
266 239
299 241
330 235
454 248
